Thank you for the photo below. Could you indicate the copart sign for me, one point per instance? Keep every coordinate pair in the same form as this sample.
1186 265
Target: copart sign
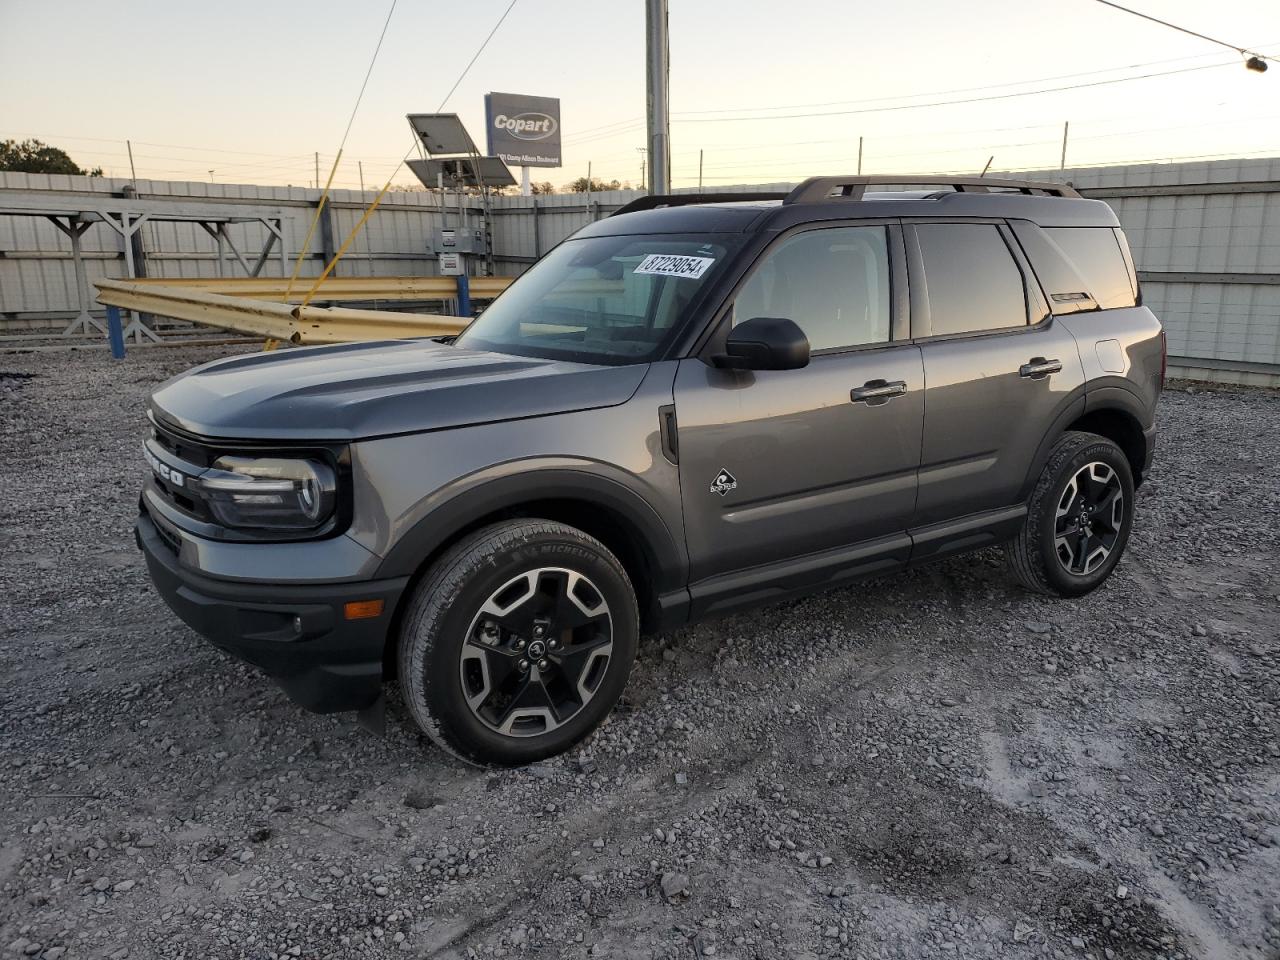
524 131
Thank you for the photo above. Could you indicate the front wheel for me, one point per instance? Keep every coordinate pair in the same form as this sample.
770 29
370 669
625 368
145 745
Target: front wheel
518 642
1078 518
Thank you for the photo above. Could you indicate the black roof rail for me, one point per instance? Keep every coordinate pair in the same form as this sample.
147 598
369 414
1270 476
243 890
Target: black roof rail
684 199
820 189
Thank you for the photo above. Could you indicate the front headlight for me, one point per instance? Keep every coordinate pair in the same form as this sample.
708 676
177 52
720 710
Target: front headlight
269 493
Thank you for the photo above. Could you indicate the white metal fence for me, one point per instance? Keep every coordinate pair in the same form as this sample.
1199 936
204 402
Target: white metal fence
1206 239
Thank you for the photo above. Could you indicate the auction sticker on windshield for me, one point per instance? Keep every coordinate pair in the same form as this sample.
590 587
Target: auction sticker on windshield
672 265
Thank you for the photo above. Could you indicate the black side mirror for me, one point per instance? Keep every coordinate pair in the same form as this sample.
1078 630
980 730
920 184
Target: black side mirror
764 343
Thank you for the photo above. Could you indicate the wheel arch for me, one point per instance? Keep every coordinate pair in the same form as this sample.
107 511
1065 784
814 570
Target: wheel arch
1114 412
1122 428
602 508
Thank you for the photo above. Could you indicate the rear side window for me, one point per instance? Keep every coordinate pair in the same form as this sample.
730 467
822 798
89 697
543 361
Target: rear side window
973 281
833 283
1098 258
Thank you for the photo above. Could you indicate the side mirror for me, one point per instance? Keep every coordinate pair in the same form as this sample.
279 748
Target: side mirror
764 343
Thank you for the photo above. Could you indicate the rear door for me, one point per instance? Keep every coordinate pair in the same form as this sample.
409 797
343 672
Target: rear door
778 465
999 372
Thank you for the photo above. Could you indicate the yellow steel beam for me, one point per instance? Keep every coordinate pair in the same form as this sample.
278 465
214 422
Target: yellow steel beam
337 288
278 321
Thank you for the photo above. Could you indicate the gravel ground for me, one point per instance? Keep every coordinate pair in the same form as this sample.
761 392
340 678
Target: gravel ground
928 765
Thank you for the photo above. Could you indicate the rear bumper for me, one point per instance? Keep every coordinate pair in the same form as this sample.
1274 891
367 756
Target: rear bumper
295 633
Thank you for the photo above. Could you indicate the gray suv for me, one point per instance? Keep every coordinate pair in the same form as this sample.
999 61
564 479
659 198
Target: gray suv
700 403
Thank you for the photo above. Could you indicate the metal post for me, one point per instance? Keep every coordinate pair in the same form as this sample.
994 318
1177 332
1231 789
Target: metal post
317 184
589 217
222 252
525 189
84 321
133 174
115 332
657 72
699 169
464 294
1062 164
859 156
537 237
368 244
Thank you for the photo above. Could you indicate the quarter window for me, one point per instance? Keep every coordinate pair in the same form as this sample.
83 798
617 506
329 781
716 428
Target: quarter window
833 283
973 281
1096 253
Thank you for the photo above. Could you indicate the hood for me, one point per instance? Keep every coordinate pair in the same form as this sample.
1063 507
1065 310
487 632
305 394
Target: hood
360 390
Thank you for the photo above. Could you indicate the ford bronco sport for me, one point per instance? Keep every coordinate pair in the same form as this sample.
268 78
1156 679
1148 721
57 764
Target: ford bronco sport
700 403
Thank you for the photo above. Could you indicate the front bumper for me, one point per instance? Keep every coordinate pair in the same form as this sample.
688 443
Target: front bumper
296 633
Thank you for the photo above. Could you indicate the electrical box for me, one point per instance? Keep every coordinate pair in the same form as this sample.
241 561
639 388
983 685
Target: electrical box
458 240
451 265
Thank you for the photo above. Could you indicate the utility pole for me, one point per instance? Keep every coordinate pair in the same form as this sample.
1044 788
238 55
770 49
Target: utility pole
211 176
859 156
317 168
657 67
133 174
699 169
1062 164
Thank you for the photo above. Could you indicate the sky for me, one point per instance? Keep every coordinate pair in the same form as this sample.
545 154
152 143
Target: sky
764 91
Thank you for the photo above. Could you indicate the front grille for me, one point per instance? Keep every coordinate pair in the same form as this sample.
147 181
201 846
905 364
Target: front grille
182 446
189 457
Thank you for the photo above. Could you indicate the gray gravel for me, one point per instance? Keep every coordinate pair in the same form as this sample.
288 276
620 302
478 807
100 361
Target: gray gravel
929 765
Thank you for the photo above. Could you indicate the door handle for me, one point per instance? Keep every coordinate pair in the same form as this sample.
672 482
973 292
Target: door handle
1037 368
875 392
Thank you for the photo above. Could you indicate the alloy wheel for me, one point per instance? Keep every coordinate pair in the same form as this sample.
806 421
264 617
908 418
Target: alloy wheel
536 652
1088 519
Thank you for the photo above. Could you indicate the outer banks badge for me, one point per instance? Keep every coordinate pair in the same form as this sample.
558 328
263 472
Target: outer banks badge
724 482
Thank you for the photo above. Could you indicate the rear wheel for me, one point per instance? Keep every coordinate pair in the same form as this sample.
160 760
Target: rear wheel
518 642
1078 518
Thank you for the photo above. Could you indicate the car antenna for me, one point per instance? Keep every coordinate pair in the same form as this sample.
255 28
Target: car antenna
988 166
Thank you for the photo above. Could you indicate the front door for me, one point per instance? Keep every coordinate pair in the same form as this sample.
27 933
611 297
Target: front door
783 470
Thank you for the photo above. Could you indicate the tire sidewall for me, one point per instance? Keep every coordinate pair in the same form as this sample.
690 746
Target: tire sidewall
1060 579
445 632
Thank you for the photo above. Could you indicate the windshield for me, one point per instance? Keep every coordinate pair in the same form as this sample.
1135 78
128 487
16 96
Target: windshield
610 300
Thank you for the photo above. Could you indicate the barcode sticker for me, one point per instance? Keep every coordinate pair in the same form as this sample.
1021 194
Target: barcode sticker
671 265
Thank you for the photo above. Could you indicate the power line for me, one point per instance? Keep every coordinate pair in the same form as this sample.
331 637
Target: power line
945 93
618 127
1173 26
951 103
471 62
367 74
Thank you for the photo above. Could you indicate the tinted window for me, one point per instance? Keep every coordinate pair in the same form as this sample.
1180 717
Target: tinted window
601 299
1095 251
833 283
973 281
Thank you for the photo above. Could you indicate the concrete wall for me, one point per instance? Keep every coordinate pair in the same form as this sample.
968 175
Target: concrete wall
1206 239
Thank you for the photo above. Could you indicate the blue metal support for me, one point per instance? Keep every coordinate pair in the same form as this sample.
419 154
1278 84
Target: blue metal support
115 332
464 295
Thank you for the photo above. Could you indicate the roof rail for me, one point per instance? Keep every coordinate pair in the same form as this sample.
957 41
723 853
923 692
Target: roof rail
819 189
684 199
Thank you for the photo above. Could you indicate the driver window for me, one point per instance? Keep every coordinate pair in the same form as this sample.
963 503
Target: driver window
833 283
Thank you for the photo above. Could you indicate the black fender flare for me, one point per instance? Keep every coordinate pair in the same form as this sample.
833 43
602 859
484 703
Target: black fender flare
1118 395
457 509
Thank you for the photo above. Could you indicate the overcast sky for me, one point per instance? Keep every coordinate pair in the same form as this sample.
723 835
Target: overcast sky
252 90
